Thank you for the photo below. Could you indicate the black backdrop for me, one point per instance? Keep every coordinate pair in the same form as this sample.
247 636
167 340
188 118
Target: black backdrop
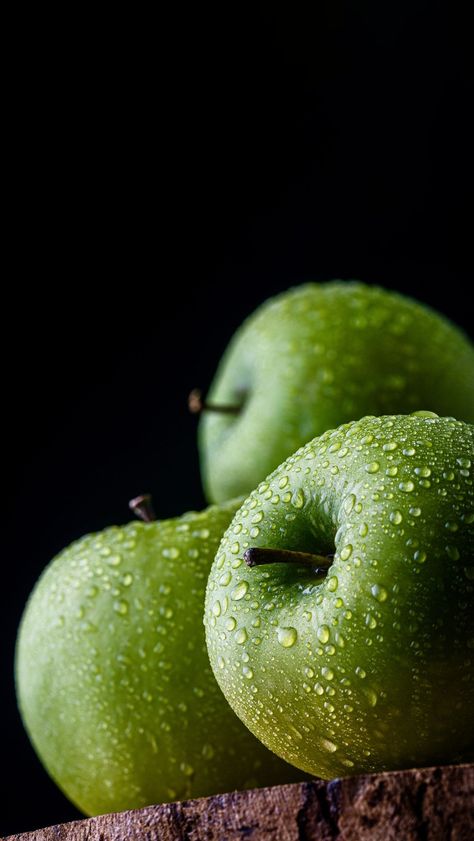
168 176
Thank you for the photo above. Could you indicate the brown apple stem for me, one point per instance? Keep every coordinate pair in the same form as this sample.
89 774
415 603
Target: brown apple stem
259 555
196 405
142 507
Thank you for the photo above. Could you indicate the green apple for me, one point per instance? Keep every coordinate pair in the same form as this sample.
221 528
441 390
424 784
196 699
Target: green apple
113 678
358 658
320 355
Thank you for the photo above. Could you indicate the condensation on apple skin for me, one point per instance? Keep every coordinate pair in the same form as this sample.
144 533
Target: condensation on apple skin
130 640
357 524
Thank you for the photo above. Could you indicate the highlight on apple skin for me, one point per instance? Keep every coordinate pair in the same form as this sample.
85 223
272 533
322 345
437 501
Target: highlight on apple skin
358 658
113 679
319 355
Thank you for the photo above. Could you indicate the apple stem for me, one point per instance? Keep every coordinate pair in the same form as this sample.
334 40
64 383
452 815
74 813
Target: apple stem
196 405
259 555
142 507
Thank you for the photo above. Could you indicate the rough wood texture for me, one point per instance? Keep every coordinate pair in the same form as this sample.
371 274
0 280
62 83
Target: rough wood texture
427 804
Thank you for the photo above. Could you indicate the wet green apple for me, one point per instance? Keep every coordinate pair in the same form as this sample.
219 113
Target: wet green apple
320 355
340 606
113 678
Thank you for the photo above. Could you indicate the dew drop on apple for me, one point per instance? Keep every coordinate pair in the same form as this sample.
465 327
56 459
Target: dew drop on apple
379 592
121 607
239 591
372 467
327 673
323 634
396 517
332 583
241 636
225 578
407 487
247 672
346 552
371 696
287 636
329 746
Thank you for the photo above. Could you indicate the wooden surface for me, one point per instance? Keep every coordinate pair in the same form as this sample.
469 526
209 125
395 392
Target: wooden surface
431 804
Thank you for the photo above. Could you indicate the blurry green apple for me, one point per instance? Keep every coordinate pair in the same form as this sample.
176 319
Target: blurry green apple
320 355
113 678
356 656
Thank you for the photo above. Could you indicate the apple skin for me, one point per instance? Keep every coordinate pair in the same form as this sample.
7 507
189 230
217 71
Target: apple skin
113 678
320 355
370 668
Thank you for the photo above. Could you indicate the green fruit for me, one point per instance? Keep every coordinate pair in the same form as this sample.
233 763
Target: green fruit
320 355
113 678
361 662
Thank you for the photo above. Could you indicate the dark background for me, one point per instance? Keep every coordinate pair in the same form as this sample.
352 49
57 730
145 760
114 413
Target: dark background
168 175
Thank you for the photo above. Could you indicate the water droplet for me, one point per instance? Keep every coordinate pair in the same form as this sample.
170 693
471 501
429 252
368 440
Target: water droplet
420 556
423 471
363 529
464 462
114 560
396 517
297 500
171 552
225 578
231 624
323 634
239 591
415 512
208 751
220 561
319 689
388 448
254 532
220 662
187 769
406 487
360 672
349 503
241 636
235 548
373 467
121 607
216 608
451 526
283 482
287 637
327 673
421 413
127 579
346 552
379 592
258 517
371 696
326 744
453 553
247 672
332 584
391 471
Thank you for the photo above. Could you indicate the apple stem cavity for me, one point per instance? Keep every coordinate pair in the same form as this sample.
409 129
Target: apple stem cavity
260 555
142 507
196 405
